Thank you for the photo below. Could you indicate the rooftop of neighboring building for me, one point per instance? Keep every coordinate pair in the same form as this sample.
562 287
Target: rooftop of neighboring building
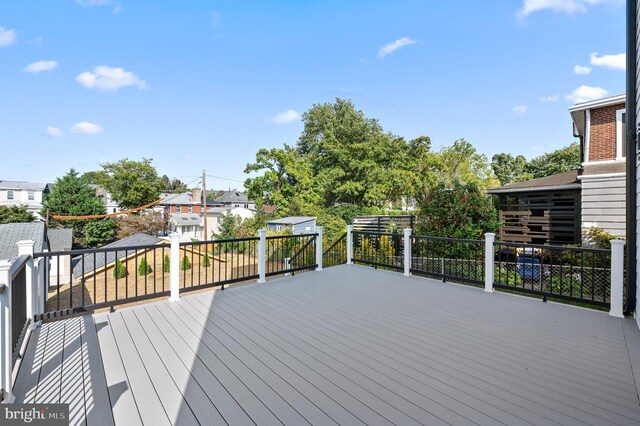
22 186
60 239
11 233
566 180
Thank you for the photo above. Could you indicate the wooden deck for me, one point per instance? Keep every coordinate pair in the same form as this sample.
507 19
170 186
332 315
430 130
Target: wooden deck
347 345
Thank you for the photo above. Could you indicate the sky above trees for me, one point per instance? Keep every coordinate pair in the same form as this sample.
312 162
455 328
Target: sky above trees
206 85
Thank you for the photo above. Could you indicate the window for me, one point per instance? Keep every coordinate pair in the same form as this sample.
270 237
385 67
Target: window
190 209
621 134
178 209
10 195
32 195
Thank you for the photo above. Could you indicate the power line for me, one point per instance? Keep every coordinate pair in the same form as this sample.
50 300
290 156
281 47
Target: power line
232 180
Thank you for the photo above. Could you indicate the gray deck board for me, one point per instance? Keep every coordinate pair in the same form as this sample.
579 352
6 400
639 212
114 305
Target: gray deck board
348 345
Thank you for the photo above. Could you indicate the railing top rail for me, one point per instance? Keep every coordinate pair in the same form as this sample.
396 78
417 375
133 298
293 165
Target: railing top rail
283 237
98 250
455 240
388 234
228 240
18 265
551 247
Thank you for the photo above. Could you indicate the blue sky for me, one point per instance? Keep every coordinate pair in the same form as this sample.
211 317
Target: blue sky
204 84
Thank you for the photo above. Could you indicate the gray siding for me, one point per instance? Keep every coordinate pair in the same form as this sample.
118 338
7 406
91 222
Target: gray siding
301 228
603 203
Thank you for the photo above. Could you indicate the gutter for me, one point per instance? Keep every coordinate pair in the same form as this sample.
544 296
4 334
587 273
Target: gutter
631 154
534 188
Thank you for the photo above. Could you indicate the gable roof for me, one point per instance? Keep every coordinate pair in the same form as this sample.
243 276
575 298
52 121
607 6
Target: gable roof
22 186
179 199
560 181
11 233
60 239
291 220
232 197
92 262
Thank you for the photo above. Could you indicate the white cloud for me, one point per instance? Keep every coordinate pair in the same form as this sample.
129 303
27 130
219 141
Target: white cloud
107 78
616 62
567 6
7 37
53 132
285 117
389 48
586 93
547 99
86 128
40 66
520 109
580 70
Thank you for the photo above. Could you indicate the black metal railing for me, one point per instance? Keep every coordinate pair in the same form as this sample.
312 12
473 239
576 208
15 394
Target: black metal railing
290 253
218 263
577 274
379 249
336 253
19 319
449 259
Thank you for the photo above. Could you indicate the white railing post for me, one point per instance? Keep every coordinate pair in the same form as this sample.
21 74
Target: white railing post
287 265
25 247
617 278
349 244
6 363
319 230
407 252
174 267
262 256
489 237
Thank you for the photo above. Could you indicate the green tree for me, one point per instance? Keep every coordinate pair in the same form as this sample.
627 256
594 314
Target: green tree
509 169
166 263
72 196
174 186
147 222
119 270
462 163
558 161
229 227
144 268
460 210
206 261
15 214
98 232
185 264
131 183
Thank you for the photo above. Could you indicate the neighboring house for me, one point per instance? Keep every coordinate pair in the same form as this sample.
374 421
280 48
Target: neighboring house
230 199
88 266
60 240
296 224
215 215
111 206
188 224
179 203
16 193
11 233
600 124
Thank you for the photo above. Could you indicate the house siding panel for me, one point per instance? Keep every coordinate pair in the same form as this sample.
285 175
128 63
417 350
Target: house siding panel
603 201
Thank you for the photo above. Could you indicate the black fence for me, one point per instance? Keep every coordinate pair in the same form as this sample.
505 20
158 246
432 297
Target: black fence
336 253
19 319
380 224
379 249
290 254
449 259
570 273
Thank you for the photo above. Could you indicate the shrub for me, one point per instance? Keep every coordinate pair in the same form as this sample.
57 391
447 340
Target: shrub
166 263
206 261
119 271
185 264
144 268
599 237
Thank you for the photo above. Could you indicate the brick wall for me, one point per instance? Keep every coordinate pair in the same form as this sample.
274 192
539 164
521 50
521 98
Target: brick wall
602 133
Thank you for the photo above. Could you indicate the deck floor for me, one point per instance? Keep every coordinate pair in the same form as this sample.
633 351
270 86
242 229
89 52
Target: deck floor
347 345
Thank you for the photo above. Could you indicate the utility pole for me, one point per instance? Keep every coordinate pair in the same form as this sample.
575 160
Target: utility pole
204 203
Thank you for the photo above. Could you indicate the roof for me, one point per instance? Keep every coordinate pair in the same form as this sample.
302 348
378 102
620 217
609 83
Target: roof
11 233
92 262
179 199
22 186
578 110
232 197
560 181
60 239
186 219
291 220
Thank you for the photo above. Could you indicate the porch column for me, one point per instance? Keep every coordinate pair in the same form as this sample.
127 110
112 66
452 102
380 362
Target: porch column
489 237
319 230
174 267
617 278
349 244
407 252
262 256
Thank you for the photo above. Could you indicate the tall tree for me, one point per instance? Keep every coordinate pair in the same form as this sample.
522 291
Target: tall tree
461 162
175 185
131 183
148 222
15 214
509 169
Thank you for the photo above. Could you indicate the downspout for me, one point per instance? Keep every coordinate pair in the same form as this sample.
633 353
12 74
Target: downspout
631 157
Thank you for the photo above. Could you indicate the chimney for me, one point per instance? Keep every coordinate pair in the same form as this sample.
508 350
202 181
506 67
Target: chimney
197 194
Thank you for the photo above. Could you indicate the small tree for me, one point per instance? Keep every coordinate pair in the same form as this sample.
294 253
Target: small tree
166 263
119 271
15 214
144 268
206 262
185 264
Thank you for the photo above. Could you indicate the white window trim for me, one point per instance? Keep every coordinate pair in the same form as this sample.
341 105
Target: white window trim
620 138
587 134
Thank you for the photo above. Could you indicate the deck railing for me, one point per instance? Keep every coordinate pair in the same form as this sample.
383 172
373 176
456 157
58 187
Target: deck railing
336 253
378 249
449 259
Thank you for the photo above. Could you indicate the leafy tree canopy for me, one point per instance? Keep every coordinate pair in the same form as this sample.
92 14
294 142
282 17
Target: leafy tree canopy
15 214
131 183
148 222
175 185
98 232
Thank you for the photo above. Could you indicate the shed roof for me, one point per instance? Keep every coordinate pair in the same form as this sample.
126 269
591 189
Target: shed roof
291 220
186 219
560 181
60 239
11 233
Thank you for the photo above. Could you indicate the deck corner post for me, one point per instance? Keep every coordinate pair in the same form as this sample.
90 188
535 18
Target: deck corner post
407 251
25 248
319 237
6 363
489 238
617 278
174 267
262 255
349 244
